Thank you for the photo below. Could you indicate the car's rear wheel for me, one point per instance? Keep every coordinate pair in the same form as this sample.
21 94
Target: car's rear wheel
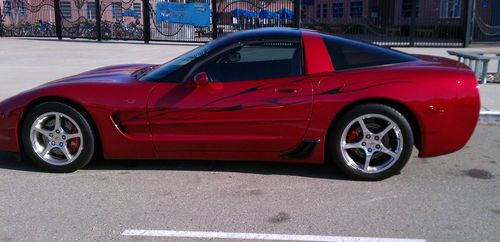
371 142
57 137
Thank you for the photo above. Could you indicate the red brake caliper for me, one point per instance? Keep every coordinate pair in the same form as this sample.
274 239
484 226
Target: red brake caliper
351 137
74 144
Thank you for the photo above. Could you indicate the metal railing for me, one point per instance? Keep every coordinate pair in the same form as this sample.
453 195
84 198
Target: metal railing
390 23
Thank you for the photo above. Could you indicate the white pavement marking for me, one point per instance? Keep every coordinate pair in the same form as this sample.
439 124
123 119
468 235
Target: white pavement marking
255 236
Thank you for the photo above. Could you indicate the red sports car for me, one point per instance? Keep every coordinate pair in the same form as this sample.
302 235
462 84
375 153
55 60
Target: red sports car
274 94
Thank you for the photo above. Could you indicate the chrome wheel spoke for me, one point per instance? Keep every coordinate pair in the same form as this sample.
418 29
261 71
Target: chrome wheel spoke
363 126
368 158
388 151
387 129
46 151
352 146
57 122
66 153
44 132
73 136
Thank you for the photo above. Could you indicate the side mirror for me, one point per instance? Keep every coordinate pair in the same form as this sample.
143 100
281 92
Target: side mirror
200 79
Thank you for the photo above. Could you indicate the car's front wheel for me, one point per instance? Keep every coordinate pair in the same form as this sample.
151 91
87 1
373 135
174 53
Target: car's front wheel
371 142
57 137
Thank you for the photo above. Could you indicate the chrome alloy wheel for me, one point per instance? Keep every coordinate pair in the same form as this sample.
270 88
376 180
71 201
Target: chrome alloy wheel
56 138
371 143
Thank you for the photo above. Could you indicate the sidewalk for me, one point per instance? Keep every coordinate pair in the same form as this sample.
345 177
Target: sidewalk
490 103
490 97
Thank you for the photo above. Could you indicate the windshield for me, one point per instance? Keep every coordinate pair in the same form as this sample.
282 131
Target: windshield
160 72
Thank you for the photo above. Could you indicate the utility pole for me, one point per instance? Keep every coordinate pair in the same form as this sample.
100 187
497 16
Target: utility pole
297 13
98 19
469 23
214 19
1 23
146 19
57 12
413 22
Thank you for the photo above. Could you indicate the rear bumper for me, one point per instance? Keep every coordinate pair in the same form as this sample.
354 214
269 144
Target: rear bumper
451 130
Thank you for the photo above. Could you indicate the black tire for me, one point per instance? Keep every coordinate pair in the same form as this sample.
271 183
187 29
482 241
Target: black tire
334 148
85 154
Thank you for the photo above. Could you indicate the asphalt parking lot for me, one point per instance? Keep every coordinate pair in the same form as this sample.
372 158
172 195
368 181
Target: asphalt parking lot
449 198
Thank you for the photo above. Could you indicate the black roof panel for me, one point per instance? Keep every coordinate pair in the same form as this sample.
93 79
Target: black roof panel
264 33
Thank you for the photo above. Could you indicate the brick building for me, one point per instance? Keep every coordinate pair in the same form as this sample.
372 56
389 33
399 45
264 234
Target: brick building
429 12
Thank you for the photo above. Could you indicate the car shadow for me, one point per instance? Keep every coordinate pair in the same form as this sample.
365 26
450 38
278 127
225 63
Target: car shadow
10 162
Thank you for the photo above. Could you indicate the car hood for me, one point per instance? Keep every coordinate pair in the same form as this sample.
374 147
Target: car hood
108 74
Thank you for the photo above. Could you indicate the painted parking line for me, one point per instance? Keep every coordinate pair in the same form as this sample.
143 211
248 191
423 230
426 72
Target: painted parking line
256 236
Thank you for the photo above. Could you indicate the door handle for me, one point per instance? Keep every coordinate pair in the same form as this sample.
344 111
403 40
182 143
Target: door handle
289 90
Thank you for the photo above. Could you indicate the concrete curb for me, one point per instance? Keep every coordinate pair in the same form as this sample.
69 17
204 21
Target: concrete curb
489 117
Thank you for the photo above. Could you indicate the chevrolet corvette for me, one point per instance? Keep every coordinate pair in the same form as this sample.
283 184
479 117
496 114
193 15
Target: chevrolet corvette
273 94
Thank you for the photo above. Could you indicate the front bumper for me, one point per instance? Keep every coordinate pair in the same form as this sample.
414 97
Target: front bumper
9 120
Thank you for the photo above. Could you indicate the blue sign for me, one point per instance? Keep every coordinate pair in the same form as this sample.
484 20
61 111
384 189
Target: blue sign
283 13
196 14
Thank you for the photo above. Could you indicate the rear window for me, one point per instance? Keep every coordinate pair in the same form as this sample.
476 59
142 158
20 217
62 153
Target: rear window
348 54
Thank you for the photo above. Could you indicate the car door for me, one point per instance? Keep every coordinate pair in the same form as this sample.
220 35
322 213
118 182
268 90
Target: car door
257 99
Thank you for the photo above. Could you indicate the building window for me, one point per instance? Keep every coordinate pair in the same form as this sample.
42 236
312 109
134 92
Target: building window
6 8
117 10
137 9
65 7
406 8
318 11
338 10
356 9
91 10
22 9
374 12
450 8
486 3
325 10
307 2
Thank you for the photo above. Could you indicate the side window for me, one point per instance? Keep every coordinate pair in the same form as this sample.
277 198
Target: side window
256 61
348 54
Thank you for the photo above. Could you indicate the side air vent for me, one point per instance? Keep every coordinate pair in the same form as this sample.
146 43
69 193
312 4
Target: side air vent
303 151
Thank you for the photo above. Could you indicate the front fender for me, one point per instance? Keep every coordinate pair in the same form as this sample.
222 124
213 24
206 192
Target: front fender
11 111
